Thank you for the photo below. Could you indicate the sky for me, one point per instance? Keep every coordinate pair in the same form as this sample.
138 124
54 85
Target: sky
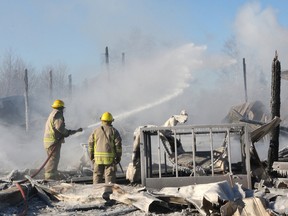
76 32
178 55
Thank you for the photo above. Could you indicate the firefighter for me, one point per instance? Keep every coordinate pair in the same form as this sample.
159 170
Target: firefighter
54 135
105 150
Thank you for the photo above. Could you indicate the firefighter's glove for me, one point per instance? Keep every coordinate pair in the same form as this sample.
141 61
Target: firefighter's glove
117 159
71 132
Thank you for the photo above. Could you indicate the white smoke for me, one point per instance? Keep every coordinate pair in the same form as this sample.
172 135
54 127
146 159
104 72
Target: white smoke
159 81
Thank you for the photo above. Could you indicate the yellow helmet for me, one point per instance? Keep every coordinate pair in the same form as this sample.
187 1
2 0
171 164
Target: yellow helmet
106 116
58 104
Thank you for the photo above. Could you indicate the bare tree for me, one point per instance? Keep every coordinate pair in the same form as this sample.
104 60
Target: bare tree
59 81
12 71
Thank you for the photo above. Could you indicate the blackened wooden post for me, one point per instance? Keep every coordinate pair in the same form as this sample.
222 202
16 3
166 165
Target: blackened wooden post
275 111
245 82
123 59
26 101
107 61
70 86
50 85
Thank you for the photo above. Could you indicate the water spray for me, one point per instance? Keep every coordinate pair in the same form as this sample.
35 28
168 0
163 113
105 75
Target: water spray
139 109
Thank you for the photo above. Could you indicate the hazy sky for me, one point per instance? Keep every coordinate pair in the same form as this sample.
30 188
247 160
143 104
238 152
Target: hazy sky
76 32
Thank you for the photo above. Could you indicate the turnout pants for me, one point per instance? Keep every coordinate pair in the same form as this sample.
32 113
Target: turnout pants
52 164
106 171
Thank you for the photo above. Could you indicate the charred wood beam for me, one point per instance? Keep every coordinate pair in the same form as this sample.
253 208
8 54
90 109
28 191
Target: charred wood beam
275 111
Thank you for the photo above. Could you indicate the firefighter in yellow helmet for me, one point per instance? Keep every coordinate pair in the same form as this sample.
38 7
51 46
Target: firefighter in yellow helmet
54 135
105 150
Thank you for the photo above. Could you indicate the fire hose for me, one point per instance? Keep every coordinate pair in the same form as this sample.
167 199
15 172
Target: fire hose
49 156
18 184
36 173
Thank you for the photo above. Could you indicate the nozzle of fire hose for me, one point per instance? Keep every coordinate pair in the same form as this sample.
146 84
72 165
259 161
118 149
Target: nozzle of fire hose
71 132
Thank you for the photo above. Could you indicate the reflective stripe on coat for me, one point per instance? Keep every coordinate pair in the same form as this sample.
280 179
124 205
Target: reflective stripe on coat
55 130
104 148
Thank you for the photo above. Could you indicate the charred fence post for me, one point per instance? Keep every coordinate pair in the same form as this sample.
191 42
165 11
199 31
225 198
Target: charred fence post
26 101
123 59
107 61
50 85
275 111
245 82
